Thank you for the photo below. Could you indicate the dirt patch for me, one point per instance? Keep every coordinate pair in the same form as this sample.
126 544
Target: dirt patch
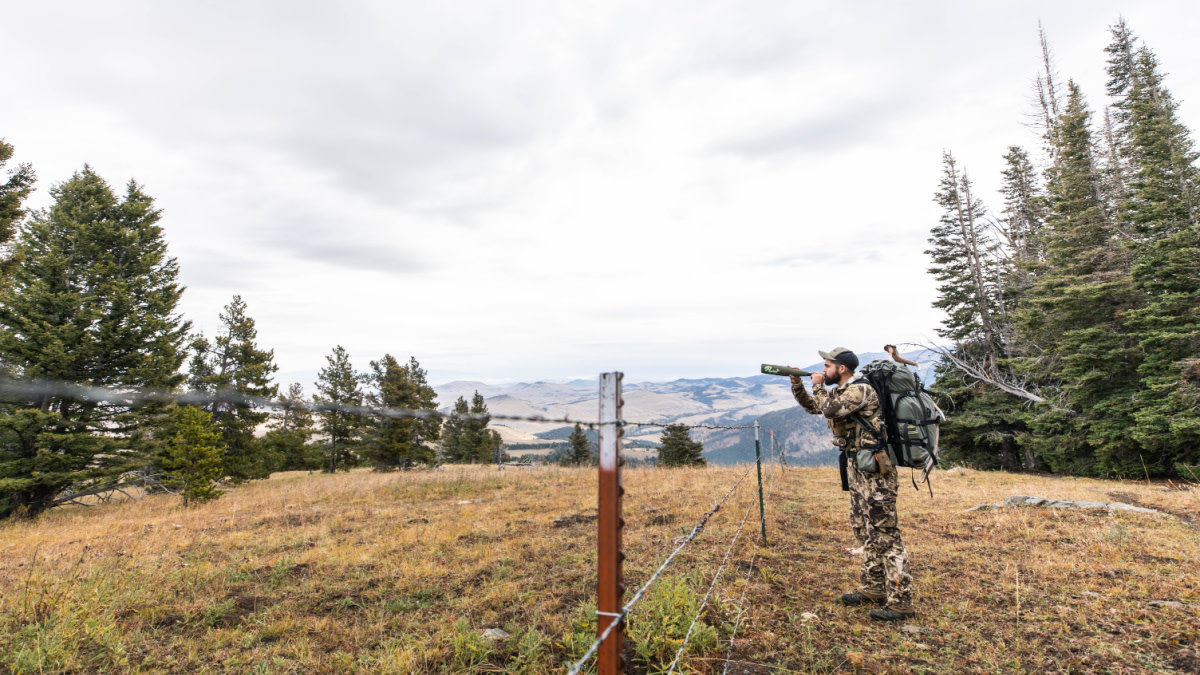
253 603
1187 660
290 520
1189 519
167 621
477 538
1147 558
243 606
576 519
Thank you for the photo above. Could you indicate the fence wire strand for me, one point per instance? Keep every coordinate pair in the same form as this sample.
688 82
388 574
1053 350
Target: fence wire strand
25 390
574 668
664 425
704 603
745 587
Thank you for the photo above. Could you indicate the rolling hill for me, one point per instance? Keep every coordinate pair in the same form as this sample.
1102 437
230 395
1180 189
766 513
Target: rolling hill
736 401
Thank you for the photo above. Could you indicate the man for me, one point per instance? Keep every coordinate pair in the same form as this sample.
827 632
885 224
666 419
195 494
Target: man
852 410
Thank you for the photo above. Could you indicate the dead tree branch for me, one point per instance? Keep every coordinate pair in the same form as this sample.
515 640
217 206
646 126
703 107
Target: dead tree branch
983 374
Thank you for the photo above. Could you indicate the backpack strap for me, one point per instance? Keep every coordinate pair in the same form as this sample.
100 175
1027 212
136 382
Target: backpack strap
880 440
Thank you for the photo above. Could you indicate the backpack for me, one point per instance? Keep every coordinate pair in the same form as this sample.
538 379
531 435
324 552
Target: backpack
910 417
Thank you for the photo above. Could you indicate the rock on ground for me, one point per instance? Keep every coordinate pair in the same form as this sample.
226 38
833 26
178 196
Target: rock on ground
1026 500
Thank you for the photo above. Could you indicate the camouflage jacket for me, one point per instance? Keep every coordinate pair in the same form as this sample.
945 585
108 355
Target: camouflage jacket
839 408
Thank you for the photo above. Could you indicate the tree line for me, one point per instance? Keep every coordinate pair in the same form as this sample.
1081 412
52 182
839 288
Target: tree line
675 448
89 295
1073 313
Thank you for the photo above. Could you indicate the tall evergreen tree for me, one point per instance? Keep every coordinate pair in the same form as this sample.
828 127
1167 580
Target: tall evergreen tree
233 362
1074 310
1164 209
92 302
1021 223
678 449
402 442
964 256
292 429
338 384
1121 72
13 192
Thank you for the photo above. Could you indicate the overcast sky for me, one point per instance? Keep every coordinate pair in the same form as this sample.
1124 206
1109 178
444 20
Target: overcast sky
513 191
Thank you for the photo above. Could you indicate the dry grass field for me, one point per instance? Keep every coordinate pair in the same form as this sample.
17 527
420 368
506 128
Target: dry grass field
404 572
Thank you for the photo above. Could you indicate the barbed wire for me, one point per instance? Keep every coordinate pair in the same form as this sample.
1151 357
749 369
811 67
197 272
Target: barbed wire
20 389
574 669
746 586
704 603
664 425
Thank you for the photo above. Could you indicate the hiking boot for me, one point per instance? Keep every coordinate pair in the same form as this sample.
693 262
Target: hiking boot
854 599
889 614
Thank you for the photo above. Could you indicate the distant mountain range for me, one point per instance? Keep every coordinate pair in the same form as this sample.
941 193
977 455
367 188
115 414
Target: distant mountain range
711 401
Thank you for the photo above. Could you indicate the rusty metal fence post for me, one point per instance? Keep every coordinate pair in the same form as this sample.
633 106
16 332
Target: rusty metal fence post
610 584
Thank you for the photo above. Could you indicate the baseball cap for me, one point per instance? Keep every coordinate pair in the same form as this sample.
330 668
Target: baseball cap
841 355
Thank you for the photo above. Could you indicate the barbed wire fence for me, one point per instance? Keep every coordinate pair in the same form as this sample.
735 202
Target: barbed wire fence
713 585
610 612
611 427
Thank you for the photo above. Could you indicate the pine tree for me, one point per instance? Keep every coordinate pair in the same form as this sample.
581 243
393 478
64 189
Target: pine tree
402 442
12 194
488 446
292 429
1021 223
1118 122
1074 311
983 280
466 437
964 262
1163 209
338 384
92 302
678 449
234 363
454 433
579 450
192 457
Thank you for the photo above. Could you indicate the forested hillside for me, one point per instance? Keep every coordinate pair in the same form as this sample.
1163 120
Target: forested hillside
1073 305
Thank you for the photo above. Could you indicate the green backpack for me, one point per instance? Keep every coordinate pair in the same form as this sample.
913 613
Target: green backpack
910 417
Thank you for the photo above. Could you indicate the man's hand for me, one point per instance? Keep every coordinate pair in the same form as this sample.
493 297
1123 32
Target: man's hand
796 379
818 378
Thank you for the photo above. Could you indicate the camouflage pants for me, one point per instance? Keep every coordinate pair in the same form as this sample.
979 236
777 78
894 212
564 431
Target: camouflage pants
885 561
858 517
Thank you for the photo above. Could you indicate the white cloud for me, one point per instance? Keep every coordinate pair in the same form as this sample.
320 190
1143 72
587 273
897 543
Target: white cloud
529 190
